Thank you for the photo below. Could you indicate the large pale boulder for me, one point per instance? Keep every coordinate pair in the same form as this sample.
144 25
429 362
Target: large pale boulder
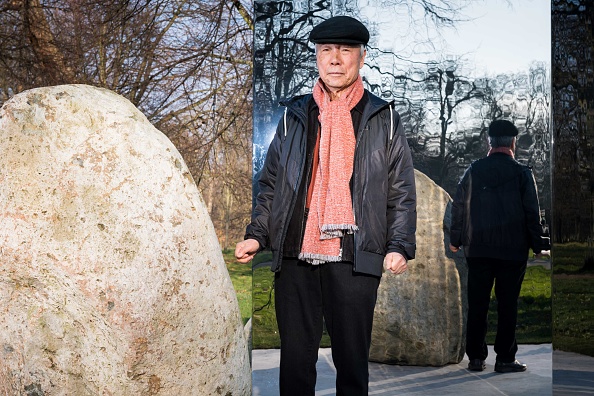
112 281
420 316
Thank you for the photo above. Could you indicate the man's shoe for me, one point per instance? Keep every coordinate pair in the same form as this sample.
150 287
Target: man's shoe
513 367
476 365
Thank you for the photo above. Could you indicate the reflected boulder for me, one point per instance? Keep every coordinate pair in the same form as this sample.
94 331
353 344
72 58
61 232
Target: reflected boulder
420 316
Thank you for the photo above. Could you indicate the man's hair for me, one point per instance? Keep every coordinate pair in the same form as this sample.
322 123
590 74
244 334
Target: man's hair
501 141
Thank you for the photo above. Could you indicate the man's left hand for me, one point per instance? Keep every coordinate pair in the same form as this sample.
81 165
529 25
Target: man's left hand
395 263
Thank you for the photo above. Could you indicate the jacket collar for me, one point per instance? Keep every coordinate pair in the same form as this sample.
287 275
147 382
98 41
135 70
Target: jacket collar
300 105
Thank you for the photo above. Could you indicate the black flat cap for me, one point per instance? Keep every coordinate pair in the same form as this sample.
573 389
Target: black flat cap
502 128
339 30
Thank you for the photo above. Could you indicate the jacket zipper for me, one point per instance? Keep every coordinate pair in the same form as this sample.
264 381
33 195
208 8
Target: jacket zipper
355 184
293 199
307 181
364 123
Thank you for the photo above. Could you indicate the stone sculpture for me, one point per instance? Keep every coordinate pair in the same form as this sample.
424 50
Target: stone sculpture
112 280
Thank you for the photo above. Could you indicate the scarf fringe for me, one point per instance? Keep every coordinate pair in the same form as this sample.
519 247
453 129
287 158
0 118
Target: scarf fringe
317 259
349 228
329 231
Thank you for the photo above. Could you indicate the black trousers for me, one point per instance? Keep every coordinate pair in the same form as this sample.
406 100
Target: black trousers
305 295
507 276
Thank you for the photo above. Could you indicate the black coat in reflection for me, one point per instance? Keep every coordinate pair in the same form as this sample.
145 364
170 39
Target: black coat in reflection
495 212
496 217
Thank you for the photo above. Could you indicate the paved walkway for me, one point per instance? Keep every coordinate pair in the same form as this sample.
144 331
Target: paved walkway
574 376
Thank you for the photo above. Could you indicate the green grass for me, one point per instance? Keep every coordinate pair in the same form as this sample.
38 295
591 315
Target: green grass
573 318
573 298
265 331
572 258
241 277
534 311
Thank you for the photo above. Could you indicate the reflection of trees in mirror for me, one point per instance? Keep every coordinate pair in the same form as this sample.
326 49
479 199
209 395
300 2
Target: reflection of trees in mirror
449 113
284 59
445 107
572 44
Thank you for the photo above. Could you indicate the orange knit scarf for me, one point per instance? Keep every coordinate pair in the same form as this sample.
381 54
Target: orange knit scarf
331 209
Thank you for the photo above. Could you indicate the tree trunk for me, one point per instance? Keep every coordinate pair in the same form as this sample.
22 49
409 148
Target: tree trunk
43 44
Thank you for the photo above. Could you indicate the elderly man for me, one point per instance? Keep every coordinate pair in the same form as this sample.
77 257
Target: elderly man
337 205
496 218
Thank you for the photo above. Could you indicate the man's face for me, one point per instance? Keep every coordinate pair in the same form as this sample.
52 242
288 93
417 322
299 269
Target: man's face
338 65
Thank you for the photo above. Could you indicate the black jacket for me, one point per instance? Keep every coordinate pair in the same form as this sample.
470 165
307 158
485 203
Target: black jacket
495 212
383 185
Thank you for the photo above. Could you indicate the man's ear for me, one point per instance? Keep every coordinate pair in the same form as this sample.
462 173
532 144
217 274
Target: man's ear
362 63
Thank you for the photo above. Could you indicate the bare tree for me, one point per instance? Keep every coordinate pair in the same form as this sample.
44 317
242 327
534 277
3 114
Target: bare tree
439 142
452 90
186 65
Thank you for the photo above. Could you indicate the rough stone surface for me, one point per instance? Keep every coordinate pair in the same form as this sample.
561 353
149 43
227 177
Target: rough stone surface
420 316
112 280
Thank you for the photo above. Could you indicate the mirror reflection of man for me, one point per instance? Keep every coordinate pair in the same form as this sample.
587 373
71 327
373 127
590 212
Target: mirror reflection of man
496 219
336 206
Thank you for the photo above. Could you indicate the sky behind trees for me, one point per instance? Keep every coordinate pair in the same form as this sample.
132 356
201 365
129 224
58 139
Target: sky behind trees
505 38
495 36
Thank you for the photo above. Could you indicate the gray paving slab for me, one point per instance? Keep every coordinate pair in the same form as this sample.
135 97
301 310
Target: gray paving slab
453 379
573 374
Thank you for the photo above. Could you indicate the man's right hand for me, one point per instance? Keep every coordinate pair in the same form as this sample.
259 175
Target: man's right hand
453 248
246 250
